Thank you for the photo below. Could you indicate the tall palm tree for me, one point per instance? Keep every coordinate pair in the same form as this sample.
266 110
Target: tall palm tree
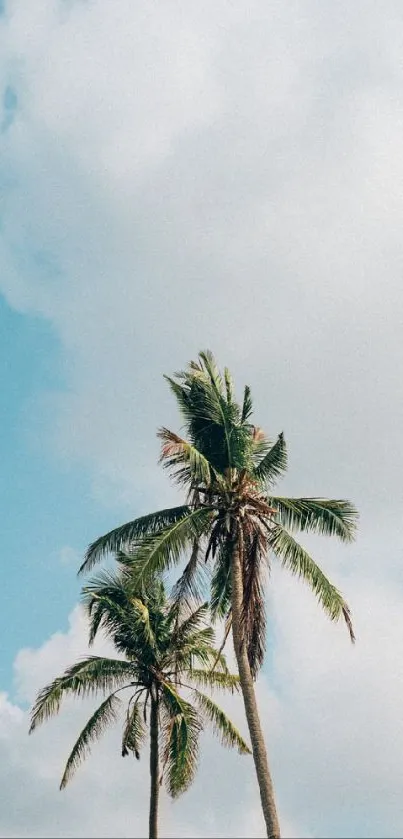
233 523
166 654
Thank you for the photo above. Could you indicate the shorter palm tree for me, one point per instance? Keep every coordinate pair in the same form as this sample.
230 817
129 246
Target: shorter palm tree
167 656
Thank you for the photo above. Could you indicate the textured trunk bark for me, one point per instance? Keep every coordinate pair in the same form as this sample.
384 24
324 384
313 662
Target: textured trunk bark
251 710
154 769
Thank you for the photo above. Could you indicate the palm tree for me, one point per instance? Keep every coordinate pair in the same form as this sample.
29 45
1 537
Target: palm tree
233 523
167 655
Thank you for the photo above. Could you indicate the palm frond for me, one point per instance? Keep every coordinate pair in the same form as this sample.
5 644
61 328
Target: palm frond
192 583
211 368
253 623
199 651
181 395
229 385
181 733
247 405
134 730
214 680
195 642
96 725
220 591
317 515
111 617
141 610
158 552
227 630
188 639
126 535
221 724
105 595
260 445
85 678
274 463
294 557
184 462
113 609
195 621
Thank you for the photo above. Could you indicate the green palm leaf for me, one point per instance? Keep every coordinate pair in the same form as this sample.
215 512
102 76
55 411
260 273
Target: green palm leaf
96 725
247 405
192 583
183 461
193 623
294 557
222 725
86 678
317 515
142 612
220 596
274 463
115 610
104 611
157 553
127 534
229 386
198 652
134 731
214 679
181 734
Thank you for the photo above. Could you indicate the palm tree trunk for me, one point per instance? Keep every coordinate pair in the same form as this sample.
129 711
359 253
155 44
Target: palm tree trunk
249 698
154 768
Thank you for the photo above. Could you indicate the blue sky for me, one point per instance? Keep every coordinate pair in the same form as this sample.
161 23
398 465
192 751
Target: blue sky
46 506
176 177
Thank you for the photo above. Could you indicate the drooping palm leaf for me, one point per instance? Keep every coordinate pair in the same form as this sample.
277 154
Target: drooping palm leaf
181 730
254 564
134 730
220 597
222 725
86 678
96 726
104 613
192 584
294 557
113 610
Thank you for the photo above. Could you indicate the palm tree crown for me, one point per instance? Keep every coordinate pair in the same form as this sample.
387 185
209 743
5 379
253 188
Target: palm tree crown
229 468
167 652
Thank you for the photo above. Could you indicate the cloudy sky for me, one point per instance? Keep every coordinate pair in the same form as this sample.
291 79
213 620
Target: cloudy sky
176 176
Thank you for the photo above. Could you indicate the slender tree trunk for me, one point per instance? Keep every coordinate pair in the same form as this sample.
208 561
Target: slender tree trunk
252 715
154 768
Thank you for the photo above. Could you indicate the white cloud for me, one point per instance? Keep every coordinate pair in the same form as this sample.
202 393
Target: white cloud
227 179
341 740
